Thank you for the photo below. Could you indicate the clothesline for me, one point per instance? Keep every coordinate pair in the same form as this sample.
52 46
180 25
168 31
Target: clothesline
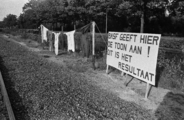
70 39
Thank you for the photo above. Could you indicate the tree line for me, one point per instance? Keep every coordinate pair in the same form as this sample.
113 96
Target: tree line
150 16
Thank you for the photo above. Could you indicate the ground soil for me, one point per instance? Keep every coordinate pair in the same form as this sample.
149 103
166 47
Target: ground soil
113 82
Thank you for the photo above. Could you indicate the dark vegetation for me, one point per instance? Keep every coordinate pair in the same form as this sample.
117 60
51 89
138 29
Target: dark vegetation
171 108
147 16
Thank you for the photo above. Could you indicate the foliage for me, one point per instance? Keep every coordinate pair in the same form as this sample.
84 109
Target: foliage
171 77
1 24
122 15
24 35
10 21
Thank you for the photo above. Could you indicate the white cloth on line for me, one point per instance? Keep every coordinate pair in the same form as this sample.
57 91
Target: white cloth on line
44 33
70 39
56 43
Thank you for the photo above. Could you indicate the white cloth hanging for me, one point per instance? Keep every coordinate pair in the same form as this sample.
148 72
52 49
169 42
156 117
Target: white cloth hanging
56 43
167 12
70 39
44 33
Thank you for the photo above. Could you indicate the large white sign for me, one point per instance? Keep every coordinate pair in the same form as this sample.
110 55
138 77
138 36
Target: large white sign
134 54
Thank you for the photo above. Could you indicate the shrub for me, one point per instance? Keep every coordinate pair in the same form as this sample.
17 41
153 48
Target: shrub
24 36
172 42
172 74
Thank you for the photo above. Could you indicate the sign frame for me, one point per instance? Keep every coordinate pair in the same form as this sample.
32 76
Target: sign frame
117 41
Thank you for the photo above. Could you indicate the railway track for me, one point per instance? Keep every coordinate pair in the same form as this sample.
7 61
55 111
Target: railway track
6 99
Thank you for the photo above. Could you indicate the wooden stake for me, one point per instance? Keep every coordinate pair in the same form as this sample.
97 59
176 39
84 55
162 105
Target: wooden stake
107 69
42 32
106 21
62 28
74 26
122 73
147 91
126 83
93 37
93 49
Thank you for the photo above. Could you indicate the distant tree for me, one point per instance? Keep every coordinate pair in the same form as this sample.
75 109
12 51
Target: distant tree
21 21
10 21
177 18
146 9
1 24
31 16
104 12
121 15
46 11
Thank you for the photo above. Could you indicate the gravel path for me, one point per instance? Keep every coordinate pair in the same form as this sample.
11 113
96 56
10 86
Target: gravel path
43 90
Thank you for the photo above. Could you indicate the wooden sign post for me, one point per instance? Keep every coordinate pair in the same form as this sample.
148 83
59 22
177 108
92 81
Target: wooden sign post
107 69
131 53
93 37
93 45
148 86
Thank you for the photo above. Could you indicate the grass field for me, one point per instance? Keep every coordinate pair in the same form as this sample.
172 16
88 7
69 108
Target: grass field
41 89
169 73
170 64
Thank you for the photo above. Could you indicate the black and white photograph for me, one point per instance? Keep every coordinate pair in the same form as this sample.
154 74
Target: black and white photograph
92 60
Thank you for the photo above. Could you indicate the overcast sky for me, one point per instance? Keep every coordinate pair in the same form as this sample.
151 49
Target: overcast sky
11 7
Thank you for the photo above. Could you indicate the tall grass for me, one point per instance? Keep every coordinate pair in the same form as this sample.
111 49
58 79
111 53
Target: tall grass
170 65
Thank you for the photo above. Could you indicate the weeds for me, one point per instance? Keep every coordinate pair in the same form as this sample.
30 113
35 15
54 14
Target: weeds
172 75
170 65
24 36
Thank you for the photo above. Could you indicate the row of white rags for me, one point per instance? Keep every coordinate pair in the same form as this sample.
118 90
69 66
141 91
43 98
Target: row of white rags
70 39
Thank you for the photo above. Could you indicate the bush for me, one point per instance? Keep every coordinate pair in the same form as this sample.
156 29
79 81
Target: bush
172 42
24 36
172 75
